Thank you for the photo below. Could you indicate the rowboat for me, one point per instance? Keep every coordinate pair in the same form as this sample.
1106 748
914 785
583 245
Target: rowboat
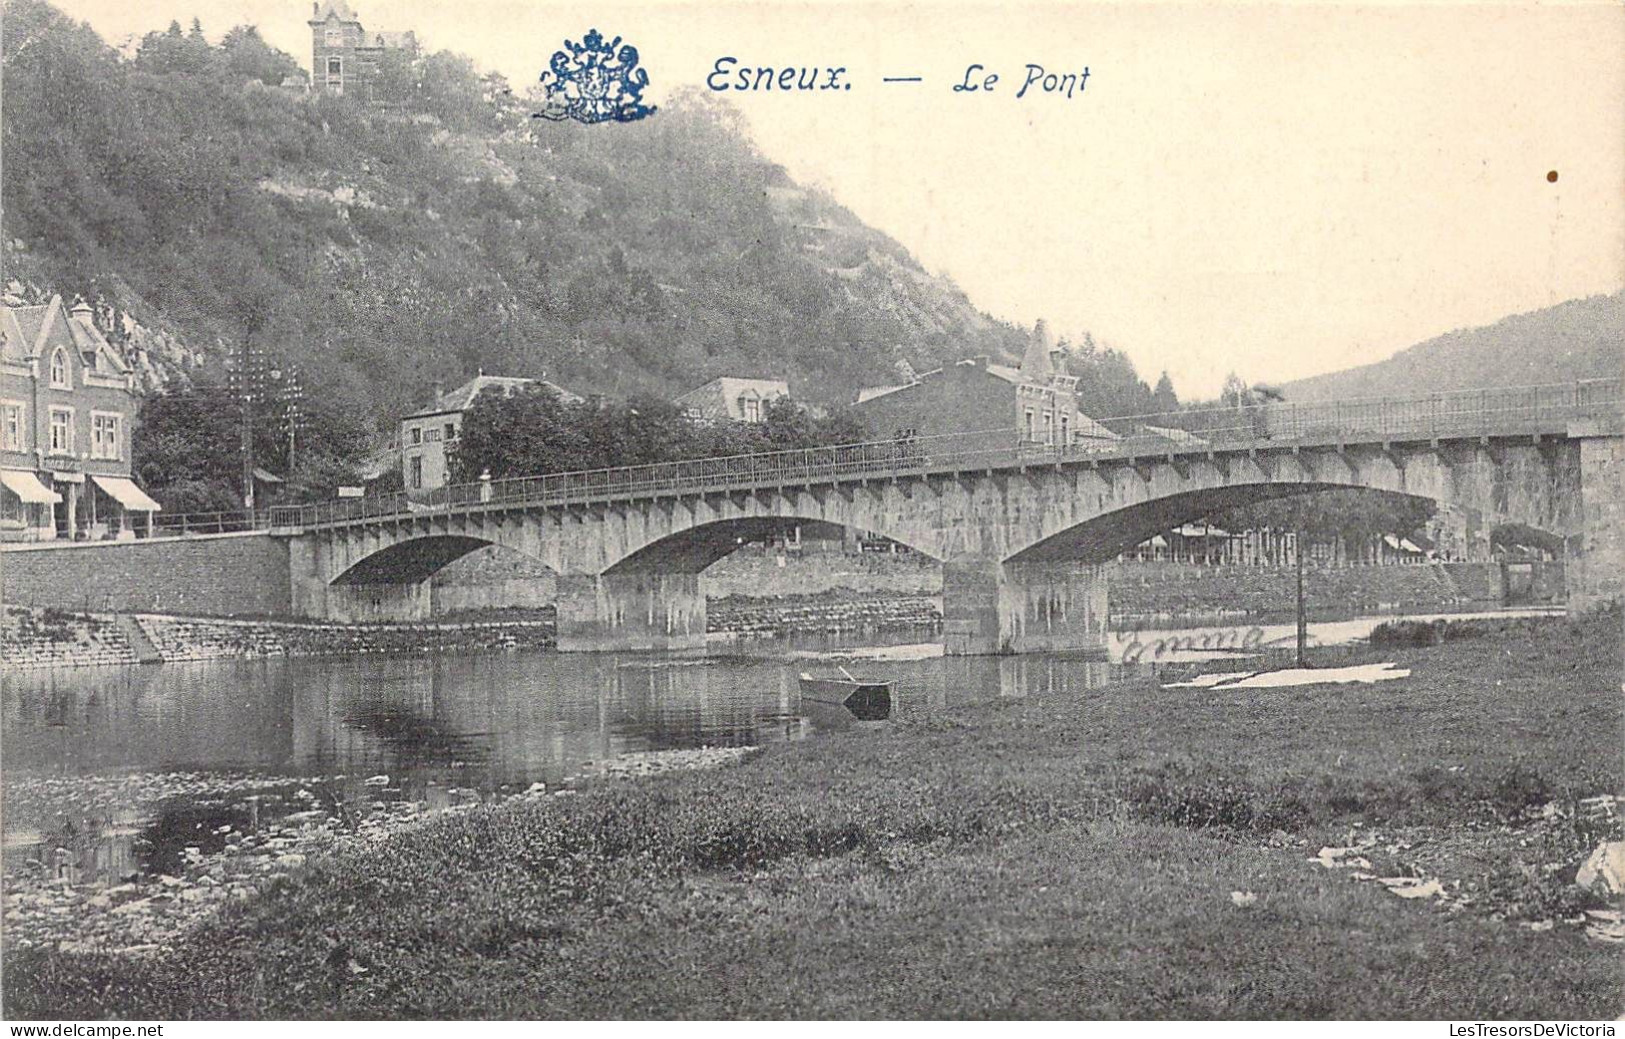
867 701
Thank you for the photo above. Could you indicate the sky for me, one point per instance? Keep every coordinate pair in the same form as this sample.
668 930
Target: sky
1275 190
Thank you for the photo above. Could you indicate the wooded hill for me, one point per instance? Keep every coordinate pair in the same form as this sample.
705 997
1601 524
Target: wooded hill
384 248
1580 339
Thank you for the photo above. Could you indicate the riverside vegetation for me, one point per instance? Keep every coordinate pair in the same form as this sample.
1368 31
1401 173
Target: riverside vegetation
1137 852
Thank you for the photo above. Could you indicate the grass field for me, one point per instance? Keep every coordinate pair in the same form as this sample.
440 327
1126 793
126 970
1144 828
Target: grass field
1032 858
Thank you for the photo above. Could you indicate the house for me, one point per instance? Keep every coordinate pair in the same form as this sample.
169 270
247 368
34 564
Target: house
67 404
428 435
344 55
742 400
1038 402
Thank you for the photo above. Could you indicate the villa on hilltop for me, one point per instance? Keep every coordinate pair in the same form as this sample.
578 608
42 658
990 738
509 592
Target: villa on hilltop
344 55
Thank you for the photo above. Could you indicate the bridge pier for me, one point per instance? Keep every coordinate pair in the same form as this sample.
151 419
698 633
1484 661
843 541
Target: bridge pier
1596 558
630 611
1010 607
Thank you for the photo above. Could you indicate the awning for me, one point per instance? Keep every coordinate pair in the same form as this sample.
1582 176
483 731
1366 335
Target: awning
26 486
126 493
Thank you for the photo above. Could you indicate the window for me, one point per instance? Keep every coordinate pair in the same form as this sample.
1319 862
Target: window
62 431
104 435
1066 431
451 431
417 435
751 408
11 427
61 374
335 36
431 435
417 473
1029 427
335 75
1049 430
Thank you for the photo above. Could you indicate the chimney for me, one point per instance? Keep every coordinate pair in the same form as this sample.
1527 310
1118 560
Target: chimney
315 9
439 391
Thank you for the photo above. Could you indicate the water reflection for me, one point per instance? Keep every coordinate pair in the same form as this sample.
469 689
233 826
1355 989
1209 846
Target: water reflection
494 720
113 770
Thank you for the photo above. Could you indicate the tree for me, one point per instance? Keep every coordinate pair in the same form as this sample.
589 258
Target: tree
1163 398
185 450
248 56
535 432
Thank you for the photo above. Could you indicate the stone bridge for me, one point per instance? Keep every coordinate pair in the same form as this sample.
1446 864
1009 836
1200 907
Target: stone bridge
1023 530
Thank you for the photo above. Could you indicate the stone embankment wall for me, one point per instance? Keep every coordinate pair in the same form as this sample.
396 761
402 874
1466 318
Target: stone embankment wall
58 638
1150 589
820 567
219 574
52 638
746 616
492 578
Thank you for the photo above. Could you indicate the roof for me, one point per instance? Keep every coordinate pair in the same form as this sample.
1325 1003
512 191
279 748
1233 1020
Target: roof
731 386
1035 364
1178 436
463 397
1088 427
398 40
1192 530
871 392
28 332
333 8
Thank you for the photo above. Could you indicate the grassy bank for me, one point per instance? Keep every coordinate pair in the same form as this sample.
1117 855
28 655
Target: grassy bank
1037 857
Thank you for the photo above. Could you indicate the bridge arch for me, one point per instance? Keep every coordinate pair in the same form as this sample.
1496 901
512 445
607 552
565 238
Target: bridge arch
692 549
410 562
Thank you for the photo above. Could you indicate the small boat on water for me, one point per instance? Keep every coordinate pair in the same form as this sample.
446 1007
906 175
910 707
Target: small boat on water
868 701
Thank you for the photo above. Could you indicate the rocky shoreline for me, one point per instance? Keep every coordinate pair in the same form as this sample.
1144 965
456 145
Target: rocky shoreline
40 639
238 836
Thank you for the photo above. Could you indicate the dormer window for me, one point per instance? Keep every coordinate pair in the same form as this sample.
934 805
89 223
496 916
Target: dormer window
61 374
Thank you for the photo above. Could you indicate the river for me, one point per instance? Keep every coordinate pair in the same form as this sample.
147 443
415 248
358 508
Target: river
123 767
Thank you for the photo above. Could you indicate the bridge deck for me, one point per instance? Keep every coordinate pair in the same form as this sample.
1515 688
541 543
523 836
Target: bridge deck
1493 414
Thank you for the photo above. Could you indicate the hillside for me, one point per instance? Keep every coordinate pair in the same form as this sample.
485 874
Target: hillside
1580 339
382 250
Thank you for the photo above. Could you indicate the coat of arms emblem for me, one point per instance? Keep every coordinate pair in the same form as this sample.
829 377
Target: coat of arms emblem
595 81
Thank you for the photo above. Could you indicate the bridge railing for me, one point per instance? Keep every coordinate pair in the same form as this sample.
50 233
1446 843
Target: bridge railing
1491 412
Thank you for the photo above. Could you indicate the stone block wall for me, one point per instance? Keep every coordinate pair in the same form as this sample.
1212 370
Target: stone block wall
492 578
214 575
746 616
55 638
1150 589
756 571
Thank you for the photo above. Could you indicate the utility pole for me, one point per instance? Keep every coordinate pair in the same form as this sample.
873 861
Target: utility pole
1303 621
246 385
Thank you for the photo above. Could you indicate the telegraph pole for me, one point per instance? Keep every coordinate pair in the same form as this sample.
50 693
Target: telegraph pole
245 379
1303 621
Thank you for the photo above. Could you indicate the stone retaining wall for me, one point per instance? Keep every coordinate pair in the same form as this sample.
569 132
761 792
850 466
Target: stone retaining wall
57 638
818 567
820 615
46 638
1150 589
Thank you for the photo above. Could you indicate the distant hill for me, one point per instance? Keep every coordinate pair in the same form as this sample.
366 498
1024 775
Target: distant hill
1581 339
